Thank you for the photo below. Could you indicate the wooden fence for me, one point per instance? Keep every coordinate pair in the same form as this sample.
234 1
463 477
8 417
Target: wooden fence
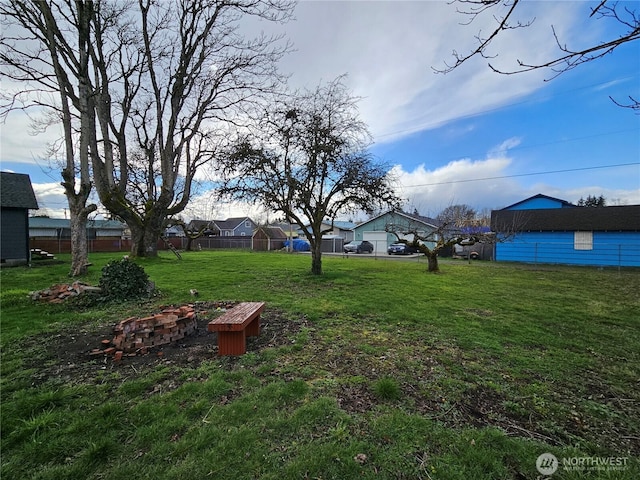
53 245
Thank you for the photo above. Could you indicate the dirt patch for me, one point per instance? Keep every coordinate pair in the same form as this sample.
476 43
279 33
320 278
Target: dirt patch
356 398
67 355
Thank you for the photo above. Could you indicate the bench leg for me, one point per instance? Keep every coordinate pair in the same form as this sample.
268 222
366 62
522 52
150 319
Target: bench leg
253 329
232 343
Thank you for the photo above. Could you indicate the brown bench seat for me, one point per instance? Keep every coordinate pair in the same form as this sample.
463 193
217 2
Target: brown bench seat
235 325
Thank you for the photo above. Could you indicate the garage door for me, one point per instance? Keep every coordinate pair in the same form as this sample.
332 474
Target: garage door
379 240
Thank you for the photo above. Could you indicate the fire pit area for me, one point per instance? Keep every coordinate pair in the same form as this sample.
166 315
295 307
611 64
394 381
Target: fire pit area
135 336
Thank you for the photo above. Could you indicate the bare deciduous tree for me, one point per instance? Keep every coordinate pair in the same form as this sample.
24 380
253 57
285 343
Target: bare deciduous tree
310 162
199 73
157 83
192 230
455 225
459 215
49 59
624 14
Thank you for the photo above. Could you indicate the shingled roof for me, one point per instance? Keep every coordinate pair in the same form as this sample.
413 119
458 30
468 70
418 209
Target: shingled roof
623 218
272 232
230 223
16 191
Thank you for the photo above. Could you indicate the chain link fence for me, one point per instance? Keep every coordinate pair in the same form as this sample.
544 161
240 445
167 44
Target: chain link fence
602 254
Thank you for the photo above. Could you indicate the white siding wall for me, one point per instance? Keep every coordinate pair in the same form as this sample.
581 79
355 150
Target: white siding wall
379 240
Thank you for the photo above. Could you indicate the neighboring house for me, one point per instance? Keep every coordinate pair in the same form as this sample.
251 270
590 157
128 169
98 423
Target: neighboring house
16 199
268 238
60 228
173 231
378 229
543 229
45 227
236 227
291 229
339 229
208 227
343 230
108 229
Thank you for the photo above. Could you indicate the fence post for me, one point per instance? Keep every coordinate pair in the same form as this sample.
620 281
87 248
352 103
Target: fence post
619 256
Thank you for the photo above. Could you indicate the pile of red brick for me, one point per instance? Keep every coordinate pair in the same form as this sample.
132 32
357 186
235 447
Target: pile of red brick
59 293
135 336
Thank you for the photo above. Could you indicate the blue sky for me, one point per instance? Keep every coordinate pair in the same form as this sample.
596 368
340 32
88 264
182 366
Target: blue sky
440 131
566 125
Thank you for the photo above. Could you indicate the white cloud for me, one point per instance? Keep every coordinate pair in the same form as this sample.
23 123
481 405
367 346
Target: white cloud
472 182
501 149
20 143
51 200
487 184
206 207
389 48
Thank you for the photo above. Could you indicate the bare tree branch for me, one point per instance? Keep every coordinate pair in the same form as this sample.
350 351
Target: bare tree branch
568 59
152 84
476 7
308 159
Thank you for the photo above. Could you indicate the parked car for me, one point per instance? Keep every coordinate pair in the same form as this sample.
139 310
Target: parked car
401 249
358 247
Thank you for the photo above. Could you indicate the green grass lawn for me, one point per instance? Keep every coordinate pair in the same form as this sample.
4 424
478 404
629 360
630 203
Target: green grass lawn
386 372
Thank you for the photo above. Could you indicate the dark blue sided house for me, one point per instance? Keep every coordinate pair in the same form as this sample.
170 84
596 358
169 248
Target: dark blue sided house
543 229
16 199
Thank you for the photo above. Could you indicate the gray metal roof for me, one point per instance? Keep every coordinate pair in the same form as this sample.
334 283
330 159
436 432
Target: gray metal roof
43 222
427 221
16 191
344 225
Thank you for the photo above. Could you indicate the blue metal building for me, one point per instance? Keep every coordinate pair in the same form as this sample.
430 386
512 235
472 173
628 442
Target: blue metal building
543 229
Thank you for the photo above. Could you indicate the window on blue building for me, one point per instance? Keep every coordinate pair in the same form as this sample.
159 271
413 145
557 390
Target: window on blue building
583 240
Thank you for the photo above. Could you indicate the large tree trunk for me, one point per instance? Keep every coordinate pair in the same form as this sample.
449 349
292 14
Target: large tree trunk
150 243
79 250
432 262
144 240
316 257
75 167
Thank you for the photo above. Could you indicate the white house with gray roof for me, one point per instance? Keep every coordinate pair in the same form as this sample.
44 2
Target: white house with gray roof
378 230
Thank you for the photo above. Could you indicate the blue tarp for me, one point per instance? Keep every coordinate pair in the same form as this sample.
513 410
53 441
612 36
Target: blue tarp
299 245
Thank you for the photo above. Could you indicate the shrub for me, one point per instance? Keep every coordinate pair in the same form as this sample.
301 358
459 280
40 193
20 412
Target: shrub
123 279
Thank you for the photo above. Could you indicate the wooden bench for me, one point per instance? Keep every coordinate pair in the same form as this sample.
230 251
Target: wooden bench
235 325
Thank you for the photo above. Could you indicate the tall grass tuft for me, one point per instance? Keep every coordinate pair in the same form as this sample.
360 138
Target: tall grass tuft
387 389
